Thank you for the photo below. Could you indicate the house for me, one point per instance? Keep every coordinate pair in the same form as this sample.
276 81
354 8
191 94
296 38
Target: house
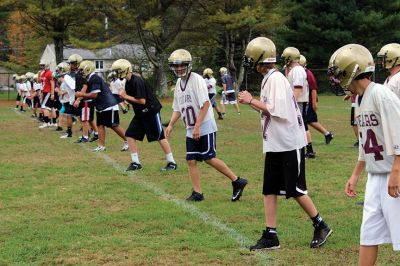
103 58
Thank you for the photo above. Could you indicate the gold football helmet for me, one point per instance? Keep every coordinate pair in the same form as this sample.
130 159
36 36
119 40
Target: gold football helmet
303 60
290 54
259 50
223 71
207 72
348 62
389 55
121 68
36 77
29 75
63 68
44 64
75 58
180 62
86 67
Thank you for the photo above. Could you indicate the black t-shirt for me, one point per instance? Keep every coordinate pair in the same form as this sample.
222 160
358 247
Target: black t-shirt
79 80
104 99
138 88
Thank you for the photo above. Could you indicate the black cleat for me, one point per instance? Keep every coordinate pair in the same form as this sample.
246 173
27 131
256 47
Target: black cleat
355 145
310 155
328 137
134 167
238 187
170 166
267 241
321 234
94 138
82 140
196 196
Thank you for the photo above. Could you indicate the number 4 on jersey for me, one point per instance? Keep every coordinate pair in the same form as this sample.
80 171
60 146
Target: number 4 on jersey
371 145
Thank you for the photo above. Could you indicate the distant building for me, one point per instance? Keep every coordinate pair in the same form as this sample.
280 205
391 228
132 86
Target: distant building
103 58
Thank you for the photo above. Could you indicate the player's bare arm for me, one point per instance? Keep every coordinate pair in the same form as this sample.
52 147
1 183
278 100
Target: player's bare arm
394 179
351 184
168 131
246 98
131 99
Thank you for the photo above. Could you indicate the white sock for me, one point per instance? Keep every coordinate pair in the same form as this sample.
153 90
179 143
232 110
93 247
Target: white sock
170 157
135 157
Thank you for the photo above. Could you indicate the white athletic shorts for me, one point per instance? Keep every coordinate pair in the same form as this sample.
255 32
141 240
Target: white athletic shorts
381 214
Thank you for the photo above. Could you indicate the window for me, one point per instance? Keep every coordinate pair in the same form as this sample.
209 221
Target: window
99 64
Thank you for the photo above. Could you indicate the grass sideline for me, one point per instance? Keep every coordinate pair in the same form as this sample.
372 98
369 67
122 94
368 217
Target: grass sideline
62 204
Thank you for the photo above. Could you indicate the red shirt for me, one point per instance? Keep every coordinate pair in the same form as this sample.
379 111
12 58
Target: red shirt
46 76
312 83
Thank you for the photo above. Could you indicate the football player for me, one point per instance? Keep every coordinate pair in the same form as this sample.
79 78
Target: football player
48 84
147 120
105 103
192 104
297 77
378 117
389 58
66 93
229 86
284 139
311 116
211 83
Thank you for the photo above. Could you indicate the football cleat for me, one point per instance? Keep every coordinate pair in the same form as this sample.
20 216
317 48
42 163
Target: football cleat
267 241
99 149
321 234
195 196
238 187
134 166
170 166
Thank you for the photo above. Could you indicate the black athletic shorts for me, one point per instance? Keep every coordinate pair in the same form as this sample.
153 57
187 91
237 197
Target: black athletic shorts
149 125
284 174
202 149
47 102
303 109
108 118
311 115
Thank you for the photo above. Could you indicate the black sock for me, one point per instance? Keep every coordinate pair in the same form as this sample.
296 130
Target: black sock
46 119
69 130
54 120
271 230
317 220
17 106
309 148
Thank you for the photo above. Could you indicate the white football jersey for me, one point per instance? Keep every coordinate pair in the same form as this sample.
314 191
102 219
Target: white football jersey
37 86
298 77
394 83
211 83
378 119
117 85
189 97
282 127
68 85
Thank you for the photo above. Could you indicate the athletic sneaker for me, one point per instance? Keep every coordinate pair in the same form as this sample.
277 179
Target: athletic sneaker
220 117
59 128
170 166
66 136
328 137
238 187
267 241
82 140
134 166
321 234
94 138
44 125
310 155
196 196
125 147
355 145
99 148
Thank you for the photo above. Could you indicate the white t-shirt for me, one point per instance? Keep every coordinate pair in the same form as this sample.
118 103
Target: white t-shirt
37 86
394 83
298 77
189 97
117 85
68 85
282 127
378 119
211 83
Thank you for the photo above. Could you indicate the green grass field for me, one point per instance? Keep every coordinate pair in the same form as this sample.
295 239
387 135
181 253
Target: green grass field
62 204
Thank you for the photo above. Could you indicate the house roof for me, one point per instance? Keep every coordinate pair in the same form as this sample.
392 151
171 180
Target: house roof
115 52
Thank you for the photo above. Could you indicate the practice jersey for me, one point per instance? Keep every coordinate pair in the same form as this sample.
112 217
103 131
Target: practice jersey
104 100
23 87
394 83
37 86
298 77
312 85
228 81
211 83
378 119
46 76
68 85
282 126
117 85
189 98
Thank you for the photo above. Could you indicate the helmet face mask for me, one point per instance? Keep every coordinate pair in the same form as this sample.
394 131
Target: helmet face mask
290 54
63 68
348 62
180 62
121 68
